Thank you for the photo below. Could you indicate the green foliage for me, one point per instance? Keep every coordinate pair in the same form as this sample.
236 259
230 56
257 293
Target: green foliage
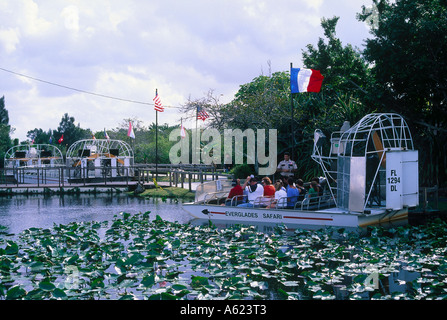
407 54
144 144
242 171
135 257
5 130
344 69
265 102
39 136
4 116
71 131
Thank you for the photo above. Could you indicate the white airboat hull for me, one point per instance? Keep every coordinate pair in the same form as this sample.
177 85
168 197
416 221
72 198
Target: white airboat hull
371 176
326 217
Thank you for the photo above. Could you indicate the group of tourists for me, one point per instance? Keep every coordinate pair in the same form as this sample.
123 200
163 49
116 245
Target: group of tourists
284 193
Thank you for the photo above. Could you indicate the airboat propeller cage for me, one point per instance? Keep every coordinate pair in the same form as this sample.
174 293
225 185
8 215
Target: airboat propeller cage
372 164
35 155
100 153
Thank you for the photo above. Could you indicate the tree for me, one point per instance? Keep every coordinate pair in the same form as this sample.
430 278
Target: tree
39 136
408 56
211 104
71 132
5 130
343 67
144 143
4 116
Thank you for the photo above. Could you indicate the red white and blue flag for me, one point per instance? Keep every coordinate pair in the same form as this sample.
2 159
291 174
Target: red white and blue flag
157 101
305 80
106 135
202 114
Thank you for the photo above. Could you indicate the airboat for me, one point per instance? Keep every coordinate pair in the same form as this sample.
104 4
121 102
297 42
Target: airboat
370 177
100 158
35 160
89 160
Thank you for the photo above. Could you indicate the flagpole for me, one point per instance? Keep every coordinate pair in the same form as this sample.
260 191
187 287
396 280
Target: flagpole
292 127
196 138
156 140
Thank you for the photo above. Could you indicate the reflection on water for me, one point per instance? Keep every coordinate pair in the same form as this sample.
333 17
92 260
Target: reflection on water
22 212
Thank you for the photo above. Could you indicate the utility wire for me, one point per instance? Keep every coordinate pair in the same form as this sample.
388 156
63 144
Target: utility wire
79 90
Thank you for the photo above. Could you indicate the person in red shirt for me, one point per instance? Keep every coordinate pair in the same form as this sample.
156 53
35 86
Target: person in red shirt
269 191
235 191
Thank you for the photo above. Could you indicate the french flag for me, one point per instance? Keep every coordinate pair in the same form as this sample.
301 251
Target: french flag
305 80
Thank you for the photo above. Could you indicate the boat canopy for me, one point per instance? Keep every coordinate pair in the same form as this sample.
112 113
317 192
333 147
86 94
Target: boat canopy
33 155
99 151
371 164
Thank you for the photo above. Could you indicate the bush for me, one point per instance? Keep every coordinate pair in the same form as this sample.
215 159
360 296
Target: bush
241 171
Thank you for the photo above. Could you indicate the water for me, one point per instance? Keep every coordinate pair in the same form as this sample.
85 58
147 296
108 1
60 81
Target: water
19 213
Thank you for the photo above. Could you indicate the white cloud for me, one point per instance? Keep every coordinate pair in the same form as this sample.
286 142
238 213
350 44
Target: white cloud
9 38
314 4
70 15
29 18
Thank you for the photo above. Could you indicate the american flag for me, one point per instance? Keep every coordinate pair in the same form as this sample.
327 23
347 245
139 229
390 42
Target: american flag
158 106
201 114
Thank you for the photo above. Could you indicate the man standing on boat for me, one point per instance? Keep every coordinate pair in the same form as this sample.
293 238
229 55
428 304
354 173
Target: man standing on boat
253 190
287 167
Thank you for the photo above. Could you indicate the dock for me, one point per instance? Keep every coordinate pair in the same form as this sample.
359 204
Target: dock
66 180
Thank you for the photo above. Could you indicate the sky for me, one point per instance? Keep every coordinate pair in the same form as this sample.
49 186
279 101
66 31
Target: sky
128 49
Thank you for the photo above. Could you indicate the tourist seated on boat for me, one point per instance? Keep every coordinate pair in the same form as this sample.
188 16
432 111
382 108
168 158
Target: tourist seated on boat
300 186
319 188
280 200
253 190
313 192
292 194
236 195
284 183
269 191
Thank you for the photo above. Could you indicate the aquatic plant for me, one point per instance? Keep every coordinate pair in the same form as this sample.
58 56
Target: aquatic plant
140 257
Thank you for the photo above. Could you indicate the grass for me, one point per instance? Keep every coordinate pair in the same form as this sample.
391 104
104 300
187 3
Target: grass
168 192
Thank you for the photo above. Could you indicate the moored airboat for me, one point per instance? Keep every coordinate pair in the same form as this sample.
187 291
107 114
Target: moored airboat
370 177
95 159
89 160
28 163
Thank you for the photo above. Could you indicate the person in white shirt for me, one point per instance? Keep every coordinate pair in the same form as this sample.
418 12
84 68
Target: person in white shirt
253 190
280 196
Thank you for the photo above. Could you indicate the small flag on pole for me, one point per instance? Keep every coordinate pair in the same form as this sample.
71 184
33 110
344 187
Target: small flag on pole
305 80
182 131
201 114
106 135
130 132
157 101
61 139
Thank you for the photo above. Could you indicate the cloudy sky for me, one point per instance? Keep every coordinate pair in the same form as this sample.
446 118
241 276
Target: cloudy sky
127 49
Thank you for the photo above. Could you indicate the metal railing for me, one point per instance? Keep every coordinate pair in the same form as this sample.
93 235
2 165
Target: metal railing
62 176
